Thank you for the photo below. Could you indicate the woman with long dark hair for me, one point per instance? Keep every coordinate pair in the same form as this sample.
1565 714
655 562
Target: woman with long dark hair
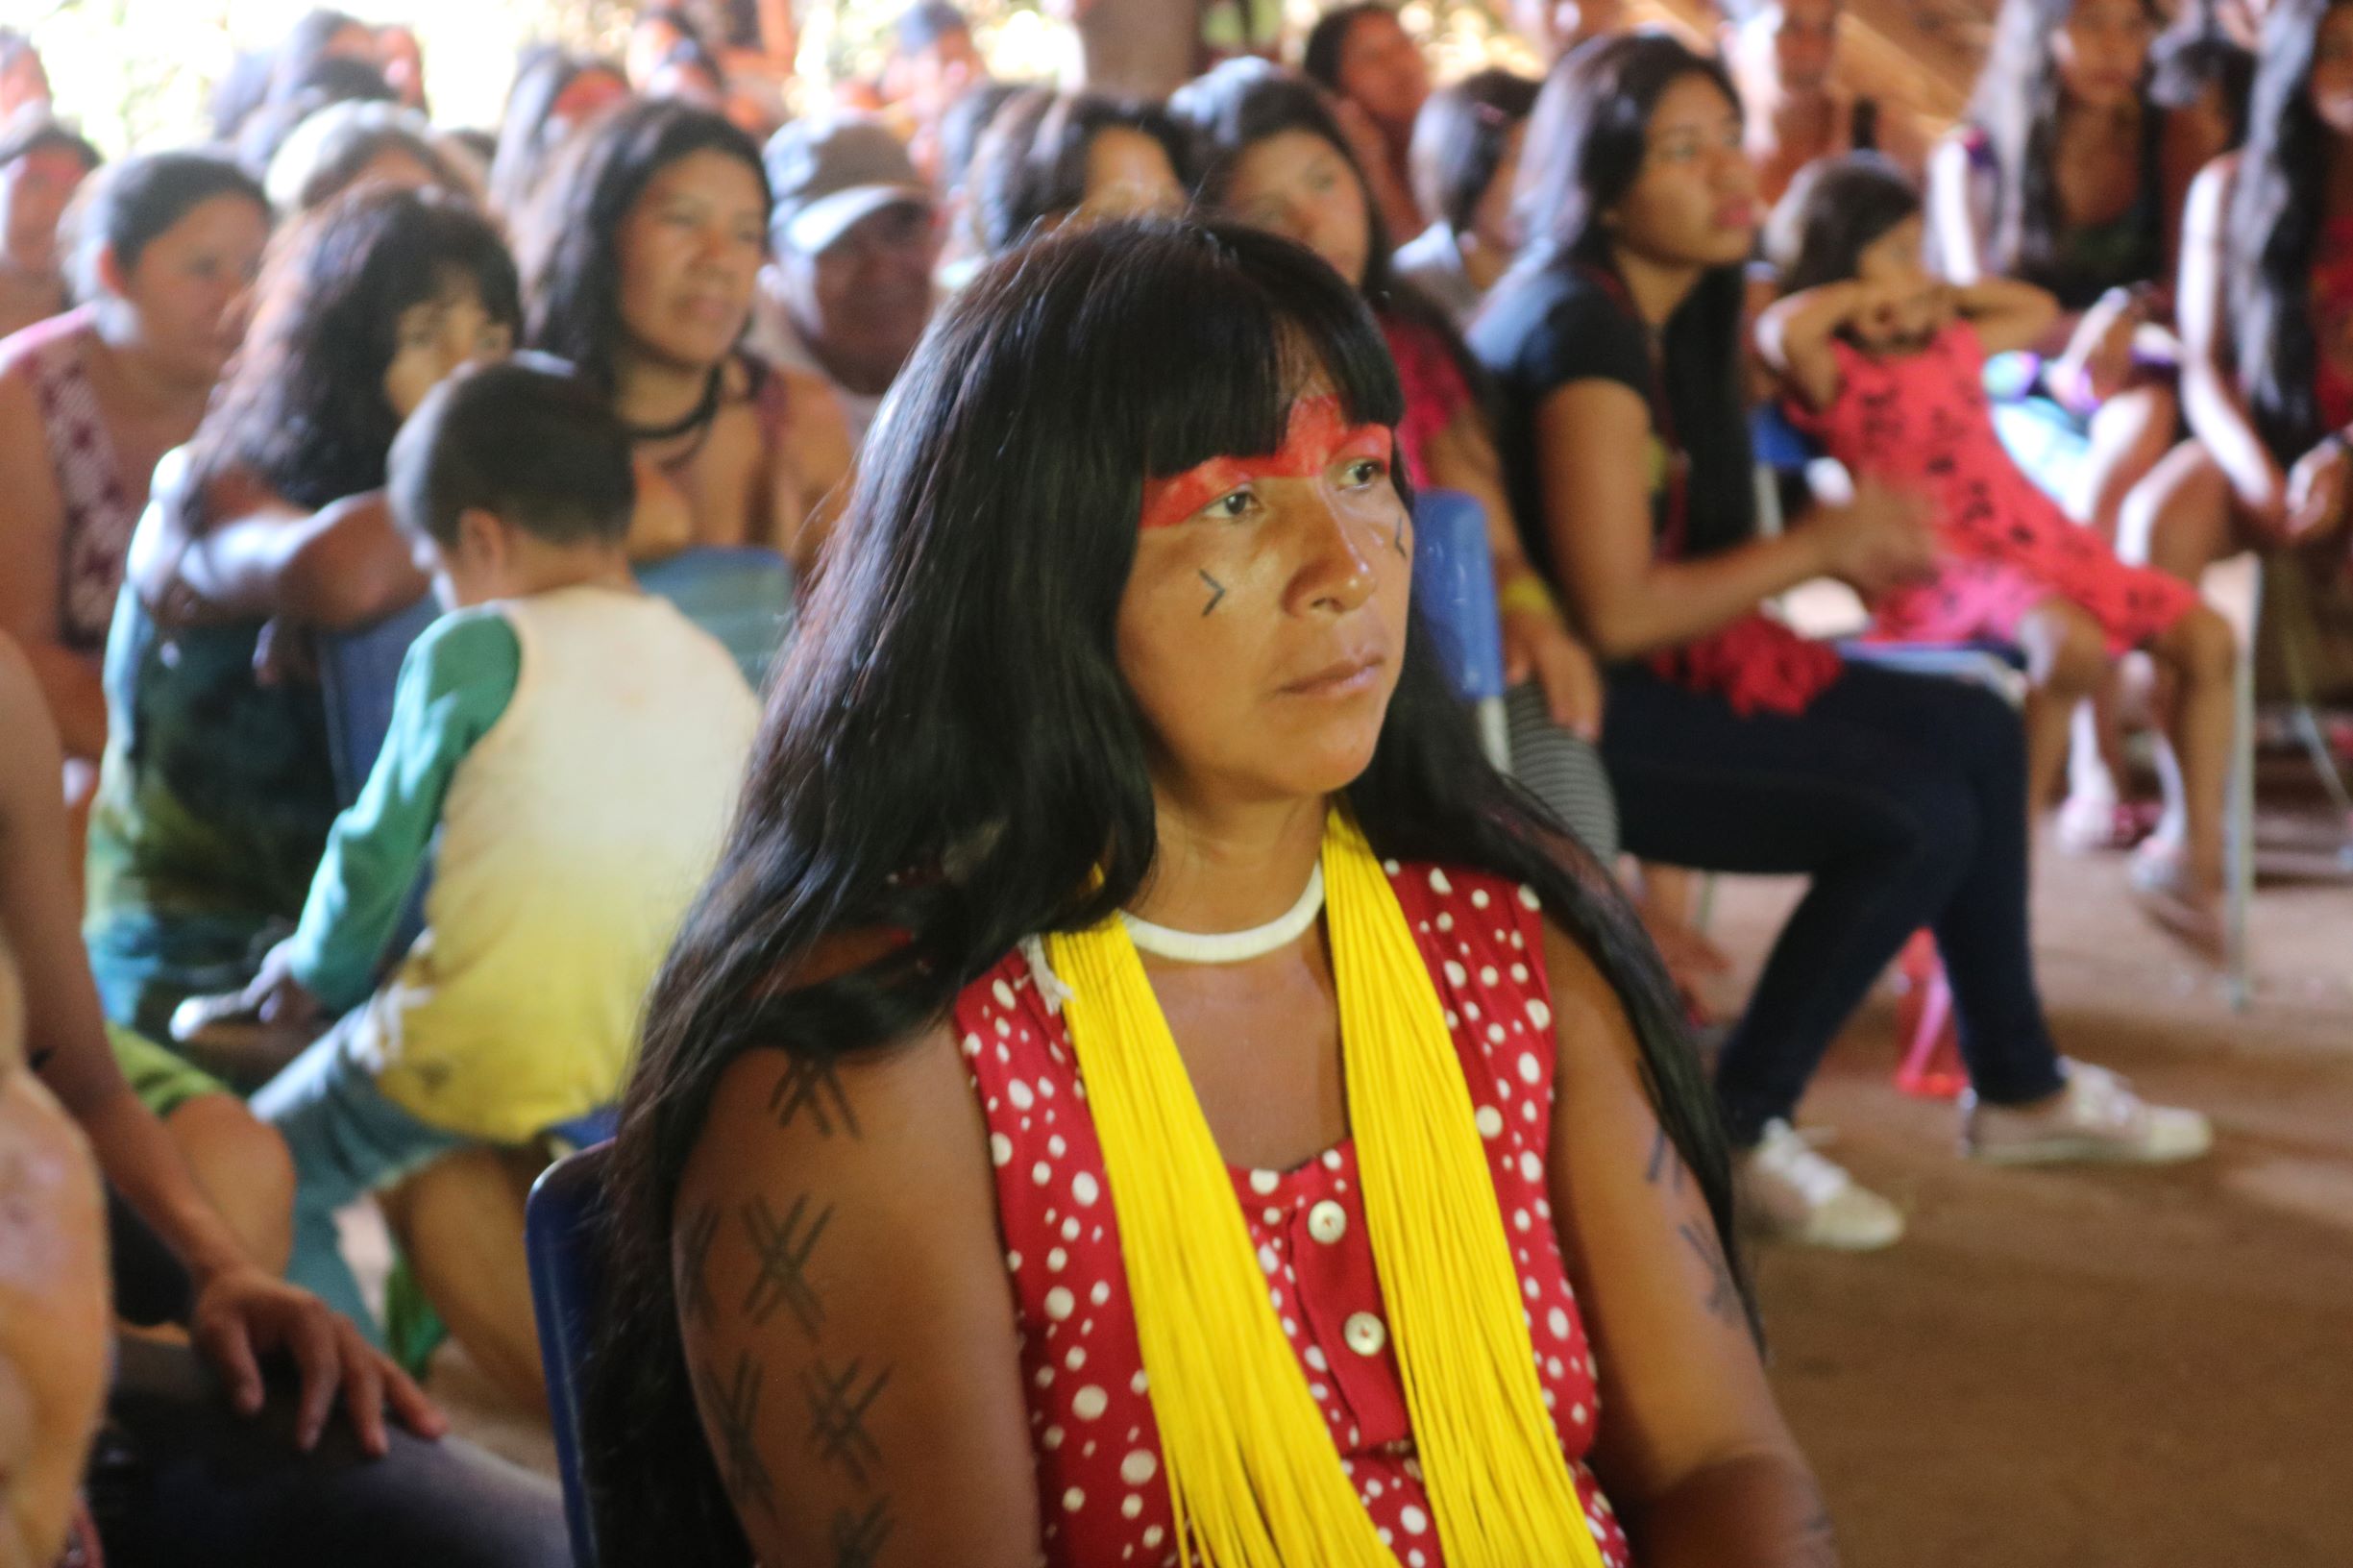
2059 180
1363 56
1465 159
1267 150
168 244
1050 157
640 262
1115 651
1734 745
555 95
2267 316
216 794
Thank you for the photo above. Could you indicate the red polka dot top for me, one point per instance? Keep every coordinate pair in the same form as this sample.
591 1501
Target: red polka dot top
1100 1492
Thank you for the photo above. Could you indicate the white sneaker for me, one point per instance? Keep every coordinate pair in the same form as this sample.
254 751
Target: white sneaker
2098 1118
1793 1194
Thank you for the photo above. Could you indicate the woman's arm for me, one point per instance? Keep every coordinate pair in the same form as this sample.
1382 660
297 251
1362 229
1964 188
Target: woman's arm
812 481
31 534
342 566
1590 438
239 1309
2008 314
1693 1452
1955 216
2209 385
1537 642
1795 336
846 1313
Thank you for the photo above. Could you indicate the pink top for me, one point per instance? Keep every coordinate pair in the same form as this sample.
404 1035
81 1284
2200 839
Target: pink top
1920 422
102 506
1100 1491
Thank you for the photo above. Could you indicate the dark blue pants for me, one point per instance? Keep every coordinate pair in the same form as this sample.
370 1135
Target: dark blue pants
1903 798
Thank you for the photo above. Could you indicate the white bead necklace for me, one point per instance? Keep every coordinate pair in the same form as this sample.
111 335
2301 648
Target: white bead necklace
1230 946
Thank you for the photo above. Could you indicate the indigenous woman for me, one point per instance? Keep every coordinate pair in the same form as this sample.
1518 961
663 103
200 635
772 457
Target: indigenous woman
1138 1087
639 265
1733 744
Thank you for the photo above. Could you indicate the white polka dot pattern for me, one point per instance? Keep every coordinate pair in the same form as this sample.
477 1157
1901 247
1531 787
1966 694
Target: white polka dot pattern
1101 1487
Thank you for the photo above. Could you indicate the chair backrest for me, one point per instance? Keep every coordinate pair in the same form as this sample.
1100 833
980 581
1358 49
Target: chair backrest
1454 591
561 1229
742 594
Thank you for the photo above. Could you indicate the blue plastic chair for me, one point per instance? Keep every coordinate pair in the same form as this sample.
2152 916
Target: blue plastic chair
1454 592
561 1227
743 596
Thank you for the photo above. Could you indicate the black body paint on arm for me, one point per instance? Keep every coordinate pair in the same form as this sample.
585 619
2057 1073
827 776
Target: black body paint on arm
783 1251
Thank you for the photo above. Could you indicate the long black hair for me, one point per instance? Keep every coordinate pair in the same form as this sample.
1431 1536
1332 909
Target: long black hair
2278 205
528 139
305 411
1031 164
953 706
2016 107
568 245
1459 139
1834 211
1587 142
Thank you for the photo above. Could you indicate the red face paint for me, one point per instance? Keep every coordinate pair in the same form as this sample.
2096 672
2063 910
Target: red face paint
1315 439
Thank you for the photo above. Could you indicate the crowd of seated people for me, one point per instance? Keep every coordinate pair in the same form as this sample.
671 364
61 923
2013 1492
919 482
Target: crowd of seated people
1087 429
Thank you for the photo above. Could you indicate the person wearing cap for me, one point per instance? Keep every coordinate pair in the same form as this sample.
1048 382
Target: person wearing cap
855 237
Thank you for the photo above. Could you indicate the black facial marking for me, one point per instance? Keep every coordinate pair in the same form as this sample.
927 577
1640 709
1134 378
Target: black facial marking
1219 592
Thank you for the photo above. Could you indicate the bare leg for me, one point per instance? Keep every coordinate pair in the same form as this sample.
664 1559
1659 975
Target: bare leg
2067 661
2181 518
2201 656
2130 437
241 1165
460 1221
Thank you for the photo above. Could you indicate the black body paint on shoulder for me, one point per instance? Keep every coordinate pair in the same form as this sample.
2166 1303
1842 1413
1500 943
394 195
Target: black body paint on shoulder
1665 1162
783 1252
838 1405
858 1538
814 1086
1723 1295
693 1286
735 1410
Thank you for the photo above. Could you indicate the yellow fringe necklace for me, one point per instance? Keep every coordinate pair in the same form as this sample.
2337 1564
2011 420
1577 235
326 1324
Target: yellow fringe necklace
1253 1477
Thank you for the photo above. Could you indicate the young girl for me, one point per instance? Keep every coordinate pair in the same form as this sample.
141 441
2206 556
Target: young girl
1885 366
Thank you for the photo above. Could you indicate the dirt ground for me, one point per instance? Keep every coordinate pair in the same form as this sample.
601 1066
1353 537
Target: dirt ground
2069 1369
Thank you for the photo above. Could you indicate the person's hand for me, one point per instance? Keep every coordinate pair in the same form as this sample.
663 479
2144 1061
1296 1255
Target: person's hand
242 1314
284 654
1370 148
2317 489
2098 357
1878 541
1538 645
274 1003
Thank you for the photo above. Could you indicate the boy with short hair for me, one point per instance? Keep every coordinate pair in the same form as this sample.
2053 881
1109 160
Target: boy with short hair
576 747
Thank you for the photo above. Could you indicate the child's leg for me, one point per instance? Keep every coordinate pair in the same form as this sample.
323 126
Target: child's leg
346 1139
2200 652
460 1222
2067 662
2130 434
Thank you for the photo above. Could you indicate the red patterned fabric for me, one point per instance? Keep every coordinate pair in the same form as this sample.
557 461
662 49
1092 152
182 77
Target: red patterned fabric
1920 422
1434 389
1101 1487
101 508
1757 665
2332 321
